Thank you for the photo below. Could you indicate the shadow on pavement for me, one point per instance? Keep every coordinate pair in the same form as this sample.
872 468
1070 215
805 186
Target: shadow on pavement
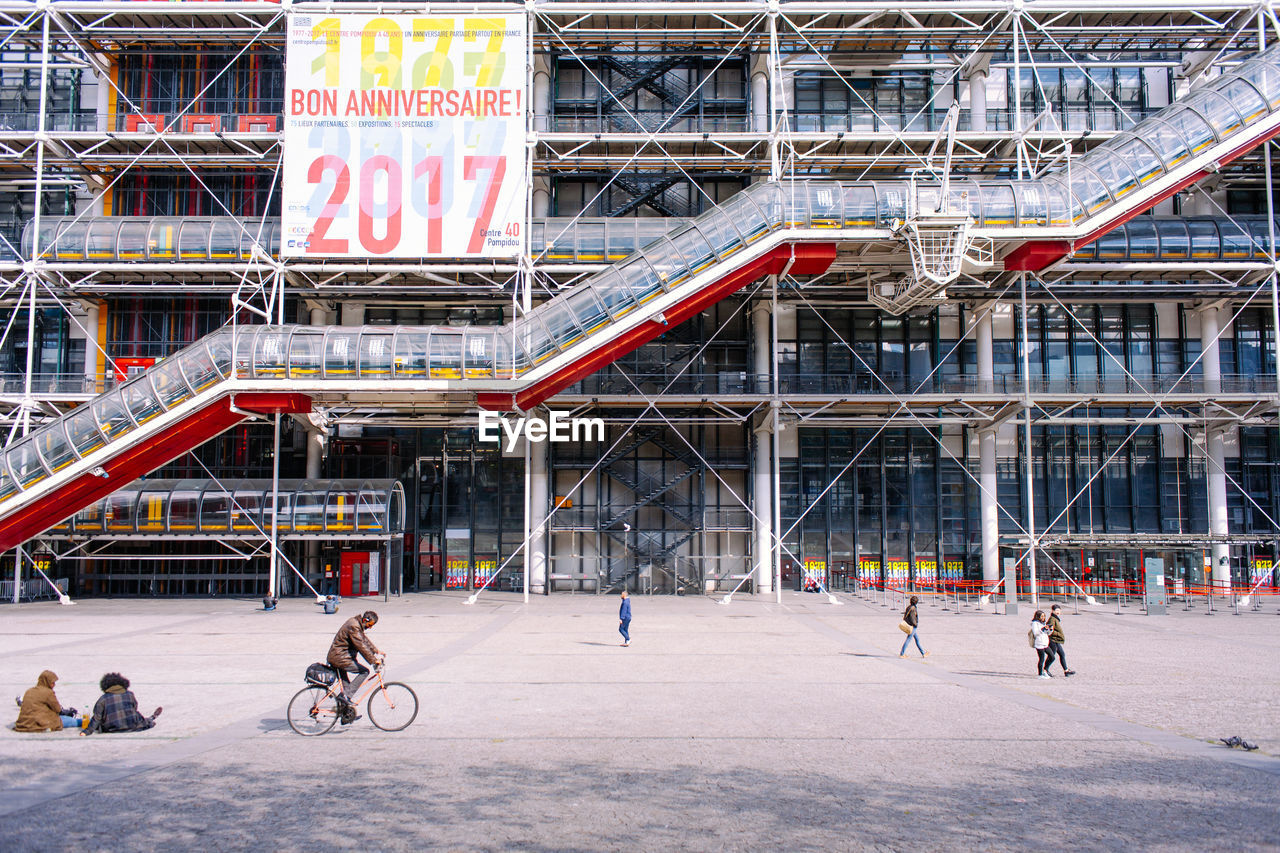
374 794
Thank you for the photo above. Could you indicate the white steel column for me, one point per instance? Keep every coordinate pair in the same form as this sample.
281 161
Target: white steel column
776 109
978 101
536 577
273 564
536 468
1271 247
1215 463
1217 481
540 187
1029 450
541 93
1211 367
30 268
315 454
762 470
315 458
760 93
92 316
990 516
541 198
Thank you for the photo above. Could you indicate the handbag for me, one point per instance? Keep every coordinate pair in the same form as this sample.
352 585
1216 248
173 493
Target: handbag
904 627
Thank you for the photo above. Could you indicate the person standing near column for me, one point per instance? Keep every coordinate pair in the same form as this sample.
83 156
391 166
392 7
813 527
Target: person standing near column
624 619
1057 638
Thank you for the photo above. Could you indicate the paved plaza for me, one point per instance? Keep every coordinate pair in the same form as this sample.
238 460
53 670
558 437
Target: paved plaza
744 726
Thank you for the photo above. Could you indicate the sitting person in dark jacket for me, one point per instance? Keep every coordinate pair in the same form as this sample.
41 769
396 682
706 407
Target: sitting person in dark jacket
117 709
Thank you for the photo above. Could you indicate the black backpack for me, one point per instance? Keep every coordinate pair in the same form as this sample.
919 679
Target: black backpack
320 675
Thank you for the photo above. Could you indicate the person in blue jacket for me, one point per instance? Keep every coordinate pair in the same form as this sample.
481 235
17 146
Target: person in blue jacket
624 619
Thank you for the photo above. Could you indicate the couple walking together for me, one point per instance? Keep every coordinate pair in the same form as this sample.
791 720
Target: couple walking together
1046 637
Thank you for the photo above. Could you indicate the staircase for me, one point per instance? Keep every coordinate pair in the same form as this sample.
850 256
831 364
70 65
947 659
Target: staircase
652 549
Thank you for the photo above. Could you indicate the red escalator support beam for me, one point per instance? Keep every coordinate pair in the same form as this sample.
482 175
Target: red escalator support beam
165 446
798 259
1038 254
272 402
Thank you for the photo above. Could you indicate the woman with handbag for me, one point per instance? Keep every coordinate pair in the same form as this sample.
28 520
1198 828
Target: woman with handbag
1038 637
910 625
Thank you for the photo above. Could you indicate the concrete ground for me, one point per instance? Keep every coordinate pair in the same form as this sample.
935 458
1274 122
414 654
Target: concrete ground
741 727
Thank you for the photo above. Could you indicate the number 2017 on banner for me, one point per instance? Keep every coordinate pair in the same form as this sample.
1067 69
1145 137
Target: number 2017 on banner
425 181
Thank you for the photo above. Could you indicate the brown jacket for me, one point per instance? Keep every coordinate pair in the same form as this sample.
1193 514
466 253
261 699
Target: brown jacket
40 707
349 640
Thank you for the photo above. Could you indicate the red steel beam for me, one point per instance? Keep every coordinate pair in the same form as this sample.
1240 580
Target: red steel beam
1038 254
797 258
142 458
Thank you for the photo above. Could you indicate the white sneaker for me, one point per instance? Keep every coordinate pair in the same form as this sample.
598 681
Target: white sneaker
1042 675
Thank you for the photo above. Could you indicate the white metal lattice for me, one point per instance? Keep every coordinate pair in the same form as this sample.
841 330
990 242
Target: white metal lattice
937 237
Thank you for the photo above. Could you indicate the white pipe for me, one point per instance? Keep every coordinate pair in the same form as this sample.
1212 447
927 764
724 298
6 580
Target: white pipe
91 320
978 101
538 500
990 507
1029 450
762 488
272 567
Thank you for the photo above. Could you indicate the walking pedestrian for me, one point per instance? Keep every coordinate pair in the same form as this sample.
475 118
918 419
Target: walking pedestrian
912 617
1038 638
624 619
1057 638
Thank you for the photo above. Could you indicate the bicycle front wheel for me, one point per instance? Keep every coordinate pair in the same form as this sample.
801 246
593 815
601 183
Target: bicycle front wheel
312 711
393 706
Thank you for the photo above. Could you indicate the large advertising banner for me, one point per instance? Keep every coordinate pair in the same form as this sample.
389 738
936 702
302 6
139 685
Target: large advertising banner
404 136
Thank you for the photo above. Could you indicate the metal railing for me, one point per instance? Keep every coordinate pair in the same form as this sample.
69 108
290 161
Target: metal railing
1012 385
69 384
33 590
189 123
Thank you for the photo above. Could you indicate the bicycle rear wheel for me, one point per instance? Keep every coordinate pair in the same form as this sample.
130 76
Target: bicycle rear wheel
393 706
312 711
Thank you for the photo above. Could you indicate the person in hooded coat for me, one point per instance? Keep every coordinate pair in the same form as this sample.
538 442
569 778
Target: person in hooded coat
40 709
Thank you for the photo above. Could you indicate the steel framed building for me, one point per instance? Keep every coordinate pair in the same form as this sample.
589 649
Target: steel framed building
864 292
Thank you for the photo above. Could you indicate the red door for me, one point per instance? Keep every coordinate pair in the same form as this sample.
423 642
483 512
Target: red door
353 575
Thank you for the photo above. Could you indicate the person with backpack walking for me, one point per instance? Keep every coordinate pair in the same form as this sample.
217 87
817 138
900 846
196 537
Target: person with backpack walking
912 617
1038 639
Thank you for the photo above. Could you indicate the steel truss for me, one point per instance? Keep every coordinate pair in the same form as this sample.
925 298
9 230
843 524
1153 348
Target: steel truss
954 42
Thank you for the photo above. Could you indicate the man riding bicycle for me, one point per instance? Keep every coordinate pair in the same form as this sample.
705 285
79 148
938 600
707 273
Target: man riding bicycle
350 641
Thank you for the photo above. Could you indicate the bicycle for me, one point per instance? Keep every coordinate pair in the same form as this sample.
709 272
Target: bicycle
392 705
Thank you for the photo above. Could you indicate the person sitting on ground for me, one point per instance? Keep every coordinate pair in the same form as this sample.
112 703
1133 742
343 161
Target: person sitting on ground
40 710
117 709
350 642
